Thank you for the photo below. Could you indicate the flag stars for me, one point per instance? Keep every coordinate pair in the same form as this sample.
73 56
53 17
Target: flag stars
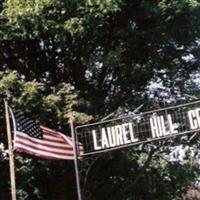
29 127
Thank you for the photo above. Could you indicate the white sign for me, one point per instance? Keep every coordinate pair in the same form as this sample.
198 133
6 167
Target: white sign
113 136
132 130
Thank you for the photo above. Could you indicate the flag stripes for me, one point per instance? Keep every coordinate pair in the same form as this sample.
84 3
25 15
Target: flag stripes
56 148
42 141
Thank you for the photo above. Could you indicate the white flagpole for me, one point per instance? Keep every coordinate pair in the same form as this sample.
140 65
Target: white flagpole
11 157
75 158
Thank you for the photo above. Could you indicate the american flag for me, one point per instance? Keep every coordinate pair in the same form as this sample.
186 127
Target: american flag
41 141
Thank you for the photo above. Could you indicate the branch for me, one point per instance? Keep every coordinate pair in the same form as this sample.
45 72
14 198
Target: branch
88 170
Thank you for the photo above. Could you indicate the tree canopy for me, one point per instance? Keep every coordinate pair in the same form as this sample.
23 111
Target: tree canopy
88 58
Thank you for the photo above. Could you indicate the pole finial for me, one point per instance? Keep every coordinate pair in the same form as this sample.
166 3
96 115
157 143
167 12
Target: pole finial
71 119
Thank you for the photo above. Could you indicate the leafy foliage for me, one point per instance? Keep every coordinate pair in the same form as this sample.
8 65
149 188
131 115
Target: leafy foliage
147 175
51 106
87 59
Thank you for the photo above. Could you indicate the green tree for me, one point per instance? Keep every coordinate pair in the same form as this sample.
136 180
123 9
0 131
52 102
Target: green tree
110 49
88 58
51 106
